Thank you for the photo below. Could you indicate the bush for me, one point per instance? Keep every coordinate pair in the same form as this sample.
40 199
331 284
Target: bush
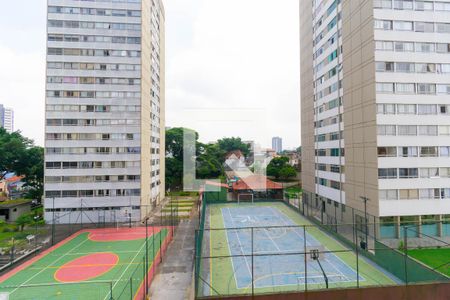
6 229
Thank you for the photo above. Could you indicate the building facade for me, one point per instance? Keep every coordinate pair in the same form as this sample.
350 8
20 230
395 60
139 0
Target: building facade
7 118
376 112
105 102
277 144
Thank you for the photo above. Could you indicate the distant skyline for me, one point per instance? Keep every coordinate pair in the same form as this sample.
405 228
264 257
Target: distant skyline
214 63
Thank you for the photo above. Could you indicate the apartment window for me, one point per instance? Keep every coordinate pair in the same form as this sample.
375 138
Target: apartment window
429 173
428 130
443 68
423 5
428 152
405 67
444 172
445 193
443 27
404 88
427 109
403 25
388 173
443 89
321 152
386 109
444 130
444 151
426 88
408 172
407 130
321 167
403 4
388 194
429 194
386 129
383 24
387 151
384 66
406 109
408 151
404 46
385 87
335 169
442 48
442 6
424 27
410 194
382 3
425 47
335 152
384 45
444 109
335 185
425 68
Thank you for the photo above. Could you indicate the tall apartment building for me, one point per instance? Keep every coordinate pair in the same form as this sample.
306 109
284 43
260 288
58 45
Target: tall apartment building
7 118
277 144
375 96
104 143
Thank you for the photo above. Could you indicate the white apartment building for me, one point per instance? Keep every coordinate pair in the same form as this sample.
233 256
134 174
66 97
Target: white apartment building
7 118
104 143
376 111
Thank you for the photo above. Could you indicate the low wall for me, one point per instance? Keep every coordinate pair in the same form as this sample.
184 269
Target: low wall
437 291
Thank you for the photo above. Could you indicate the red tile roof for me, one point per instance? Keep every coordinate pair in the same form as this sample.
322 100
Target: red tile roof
256 182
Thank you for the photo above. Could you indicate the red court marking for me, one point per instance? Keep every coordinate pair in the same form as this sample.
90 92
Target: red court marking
86 267
121 234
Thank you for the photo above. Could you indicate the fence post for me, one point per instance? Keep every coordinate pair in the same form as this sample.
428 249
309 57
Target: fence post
144 267
110 290
357 261
253 268
131 288
306 261
405 239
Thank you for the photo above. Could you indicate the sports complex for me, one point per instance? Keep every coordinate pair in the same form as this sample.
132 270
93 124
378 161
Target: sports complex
269 247
101 263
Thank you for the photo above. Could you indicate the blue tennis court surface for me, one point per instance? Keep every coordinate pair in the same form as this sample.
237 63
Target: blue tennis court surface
284 266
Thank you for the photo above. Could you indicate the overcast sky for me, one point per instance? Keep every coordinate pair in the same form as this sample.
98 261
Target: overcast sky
232 67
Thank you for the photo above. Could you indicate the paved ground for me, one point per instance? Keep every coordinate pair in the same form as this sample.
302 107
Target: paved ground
174 278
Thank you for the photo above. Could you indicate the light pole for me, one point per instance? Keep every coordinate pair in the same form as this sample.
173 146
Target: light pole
53 223
365 199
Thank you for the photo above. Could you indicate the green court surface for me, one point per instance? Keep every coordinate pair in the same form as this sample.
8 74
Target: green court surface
279 264
91 264
438 259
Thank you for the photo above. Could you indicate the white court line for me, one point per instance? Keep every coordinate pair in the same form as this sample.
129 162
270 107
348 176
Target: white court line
240 244
123 273
58 259
229 249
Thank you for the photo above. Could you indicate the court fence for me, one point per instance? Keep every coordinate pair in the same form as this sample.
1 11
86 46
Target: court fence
43 237
274 259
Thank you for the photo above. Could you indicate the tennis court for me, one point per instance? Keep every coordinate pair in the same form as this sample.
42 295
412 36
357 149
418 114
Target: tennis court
262 246
108 263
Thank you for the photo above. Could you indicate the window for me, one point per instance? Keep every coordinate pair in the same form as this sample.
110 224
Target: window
445 193
383 24
404 46
386 129
443 89
404 88
429 194
428 152
408 151
387 173
442 48
386 109
428 130
444 151
403 25
407 130
426 88
384 66
335 185
335 169
405 67
425 68
425 47
444 172
406 109
429 173
424 27
321 167
443 27
427 109
411 194
335 152
384 45
387 151
444 130
408 172
385 87
382 3
388 194
424 5
444 109
403 4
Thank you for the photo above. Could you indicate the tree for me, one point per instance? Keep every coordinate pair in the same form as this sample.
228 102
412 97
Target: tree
287 172
23 220
276 165
232 144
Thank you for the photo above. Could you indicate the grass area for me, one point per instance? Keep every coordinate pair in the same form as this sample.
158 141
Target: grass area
183 193
438 259
293 189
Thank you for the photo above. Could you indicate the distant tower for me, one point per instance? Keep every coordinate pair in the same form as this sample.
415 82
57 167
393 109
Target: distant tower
277 144
7 118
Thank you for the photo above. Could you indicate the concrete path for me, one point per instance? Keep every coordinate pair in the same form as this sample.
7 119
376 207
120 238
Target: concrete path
174 277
